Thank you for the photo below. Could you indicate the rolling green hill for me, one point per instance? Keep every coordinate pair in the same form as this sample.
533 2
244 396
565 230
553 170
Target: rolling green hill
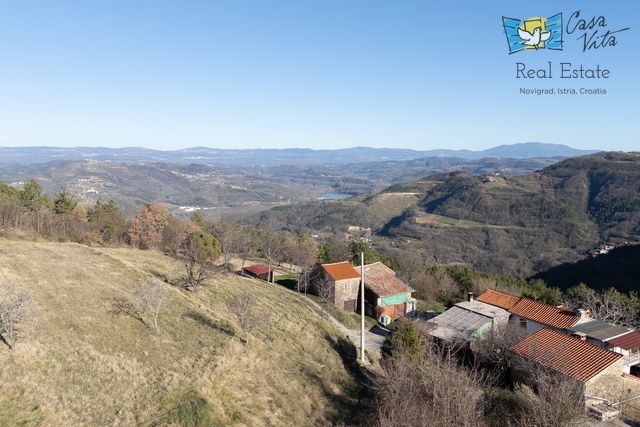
84 362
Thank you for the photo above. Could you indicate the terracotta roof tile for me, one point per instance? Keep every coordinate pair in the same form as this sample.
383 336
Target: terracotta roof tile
570 356
544 313
498 298
341 270
627 341
383 281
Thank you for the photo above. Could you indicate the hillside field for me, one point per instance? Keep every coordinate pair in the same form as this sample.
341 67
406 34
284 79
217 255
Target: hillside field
83 363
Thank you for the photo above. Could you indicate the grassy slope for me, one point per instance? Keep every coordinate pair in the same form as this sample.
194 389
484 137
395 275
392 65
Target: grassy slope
84 365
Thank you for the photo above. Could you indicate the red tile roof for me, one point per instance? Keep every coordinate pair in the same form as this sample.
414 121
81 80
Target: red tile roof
626 341
383 281
258 269
544 313
498 298
570 356
341 270
530 309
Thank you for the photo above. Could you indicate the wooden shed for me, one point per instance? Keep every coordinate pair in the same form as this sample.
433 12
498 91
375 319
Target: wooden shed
258 271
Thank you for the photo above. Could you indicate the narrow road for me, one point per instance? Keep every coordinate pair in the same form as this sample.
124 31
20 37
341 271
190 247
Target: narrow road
373 338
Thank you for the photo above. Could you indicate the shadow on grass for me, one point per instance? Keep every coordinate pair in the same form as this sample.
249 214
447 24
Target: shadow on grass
287 283
121 306
356 405
5 341
221 325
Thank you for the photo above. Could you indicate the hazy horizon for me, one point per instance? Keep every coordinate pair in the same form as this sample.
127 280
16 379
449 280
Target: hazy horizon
285 74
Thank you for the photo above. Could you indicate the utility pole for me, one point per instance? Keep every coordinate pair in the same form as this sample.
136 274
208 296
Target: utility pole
362 307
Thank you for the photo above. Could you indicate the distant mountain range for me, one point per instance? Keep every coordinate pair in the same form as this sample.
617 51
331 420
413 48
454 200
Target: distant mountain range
275 157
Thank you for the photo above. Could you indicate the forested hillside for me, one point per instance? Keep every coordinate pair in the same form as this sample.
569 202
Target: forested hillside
244 188
619 268
512 225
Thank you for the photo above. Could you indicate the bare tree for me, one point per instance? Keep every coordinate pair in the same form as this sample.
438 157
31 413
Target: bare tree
338 250
243 307
326 290
491 349
15 308
199 251
225 234
546 398
154 294
270 241
241 243
409 268
305 256
607 305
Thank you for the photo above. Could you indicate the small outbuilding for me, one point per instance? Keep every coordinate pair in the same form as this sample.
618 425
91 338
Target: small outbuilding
258 271
629 346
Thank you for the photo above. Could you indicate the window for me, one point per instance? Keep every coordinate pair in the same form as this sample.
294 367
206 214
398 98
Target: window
347 287
523 323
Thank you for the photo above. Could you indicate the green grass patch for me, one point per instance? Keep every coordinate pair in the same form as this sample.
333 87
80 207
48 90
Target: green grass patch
193 411
436 307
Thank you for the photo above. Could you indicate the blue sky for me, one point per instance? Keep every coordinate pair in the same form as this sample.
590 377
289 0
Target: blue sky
305 73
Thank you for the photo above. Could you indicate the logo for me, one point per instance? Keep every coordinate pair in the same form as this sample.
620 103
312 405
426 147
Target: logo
533 33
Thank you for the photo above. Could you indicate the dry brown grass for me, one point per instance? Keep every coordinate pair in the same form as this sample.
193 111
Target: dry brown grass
83 364
389 205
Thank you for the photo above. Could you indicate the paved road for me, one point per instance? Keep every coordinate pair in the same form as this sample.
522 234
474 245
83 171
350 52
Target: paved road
373 338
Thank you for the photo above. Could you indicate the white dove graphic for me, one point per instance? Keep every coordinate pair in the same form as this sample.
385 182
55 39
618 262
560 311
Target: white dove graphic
535 38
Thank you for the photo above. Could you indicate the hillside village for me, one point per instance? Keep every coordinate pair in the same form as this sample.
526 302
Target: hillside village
243 292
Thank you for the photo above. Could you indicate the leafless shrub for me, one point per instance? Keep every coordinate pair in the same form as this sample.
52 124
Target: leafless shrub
16 307
127 307
491 349
427 389
326 290
608 306
154 294
481 284
542 396
243 307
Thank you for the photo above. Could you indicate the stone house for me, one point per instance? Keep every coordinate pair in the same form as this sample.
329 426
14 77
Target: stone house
384 293
532 315
342 280
597 370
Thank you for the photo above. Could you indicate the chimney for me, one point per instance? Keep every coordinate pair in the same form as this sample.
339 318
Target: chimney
584 314
470 296
580 335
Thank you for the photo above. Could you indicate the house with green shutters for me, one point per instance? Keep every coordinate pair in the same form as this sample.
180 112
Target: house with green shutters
385 294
